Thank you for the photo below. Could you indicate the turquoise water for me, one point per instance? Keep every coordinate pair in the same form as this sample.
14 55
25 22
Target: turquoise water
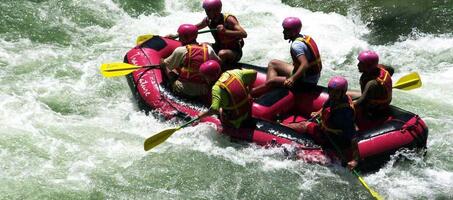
66 132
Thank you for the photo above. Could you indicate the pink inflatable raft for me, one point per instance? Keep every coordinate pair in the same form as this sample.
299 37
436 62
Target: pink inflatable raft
377 139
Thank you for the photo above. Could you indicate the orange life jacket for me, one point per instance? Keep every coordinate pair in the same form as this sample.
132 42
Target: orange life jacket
223 41
240 103
326 113
314 64
196 55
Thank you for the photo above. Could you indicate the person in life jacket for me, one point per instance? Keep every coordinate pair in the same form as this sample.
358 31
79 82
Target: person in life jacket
304 71
231 98
375 86
184 64
228 35
335 120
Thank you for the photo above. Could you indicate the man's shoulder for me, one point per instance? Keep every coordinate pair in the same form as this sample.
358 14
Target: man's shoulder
298 45
181 49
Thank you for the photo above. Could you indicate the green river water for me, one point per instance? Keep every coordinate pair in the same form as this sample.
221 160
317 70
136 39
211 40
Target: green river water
67 132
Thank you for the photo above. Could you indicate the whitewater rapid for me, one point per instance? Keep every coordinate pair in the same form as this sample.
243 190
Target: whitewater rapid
68 132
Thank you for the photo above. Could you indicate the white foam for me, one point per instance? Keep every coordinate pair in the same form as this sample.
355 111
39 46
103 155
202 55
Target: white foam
106 126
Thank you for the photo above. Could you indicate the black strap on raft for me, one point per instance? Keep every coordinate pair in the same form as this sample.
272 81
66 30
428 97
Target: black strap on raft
420 141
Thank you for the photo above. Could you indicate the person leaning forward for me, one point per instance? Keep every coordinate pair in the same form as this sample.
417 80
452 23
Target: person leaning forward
336 122
231 98
184 64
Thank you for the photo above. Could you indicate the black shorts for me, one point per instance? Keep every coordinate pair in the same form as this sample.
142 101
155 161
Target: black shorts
237 52
300 86
340 141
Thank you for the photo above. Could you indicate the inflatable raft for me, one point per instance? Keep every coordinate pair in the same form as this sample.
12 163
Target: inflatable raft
378 139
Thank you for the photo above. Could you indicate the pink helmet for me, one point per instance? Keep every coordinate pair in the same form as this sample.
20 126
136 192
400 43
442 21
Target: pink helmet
212 5
210 69
293 24
338 83
370 58
188 31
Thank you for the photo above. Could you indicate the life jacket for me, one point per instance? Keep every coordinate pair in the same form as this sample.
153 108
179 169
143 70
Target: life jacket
224 42
314 64
240 104
385 80
196 55
326 113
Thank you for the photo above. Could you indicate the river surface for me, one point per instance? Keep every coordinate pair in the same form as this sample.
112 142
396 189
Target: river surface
67 132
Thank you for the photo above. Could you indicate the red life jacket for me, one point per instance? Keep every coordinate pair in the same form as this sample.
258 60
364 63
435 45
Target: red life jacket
385 80
326 113
240 104
196 55
223 41
314 64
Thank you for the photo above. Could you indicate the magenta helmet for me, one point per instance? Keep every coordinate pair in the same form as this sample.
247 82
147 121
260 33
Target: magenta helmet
212 5
293 24
370 58
210 69
188 32
338 83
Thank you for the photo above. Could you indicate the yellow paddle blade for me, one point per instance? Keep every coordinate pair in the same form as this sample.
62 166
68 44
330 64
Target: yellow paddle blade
371 191
159 138
143 38
117 69
409 82
164 135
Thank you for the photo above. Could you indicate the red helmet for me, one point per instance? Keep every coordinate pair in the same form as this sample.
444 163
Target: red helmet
293 24
210 69
338 83
188 31
370 58
212 5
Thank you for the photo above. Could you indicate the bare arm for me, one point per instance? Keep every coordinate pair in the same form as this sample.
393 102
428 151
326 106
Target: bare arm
207 113
300 71
236 31
365 94
202 24
354 94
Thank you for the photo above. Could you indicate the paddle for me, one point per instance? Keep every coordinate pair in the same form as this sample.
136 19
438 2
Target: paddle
144 38
160 137
373 193
120 69
408 82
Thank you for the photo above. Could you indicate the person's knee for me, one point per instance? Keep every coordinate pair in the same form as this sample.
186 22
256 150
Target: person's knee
222 54
271 82
226 55
273 64
268 82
